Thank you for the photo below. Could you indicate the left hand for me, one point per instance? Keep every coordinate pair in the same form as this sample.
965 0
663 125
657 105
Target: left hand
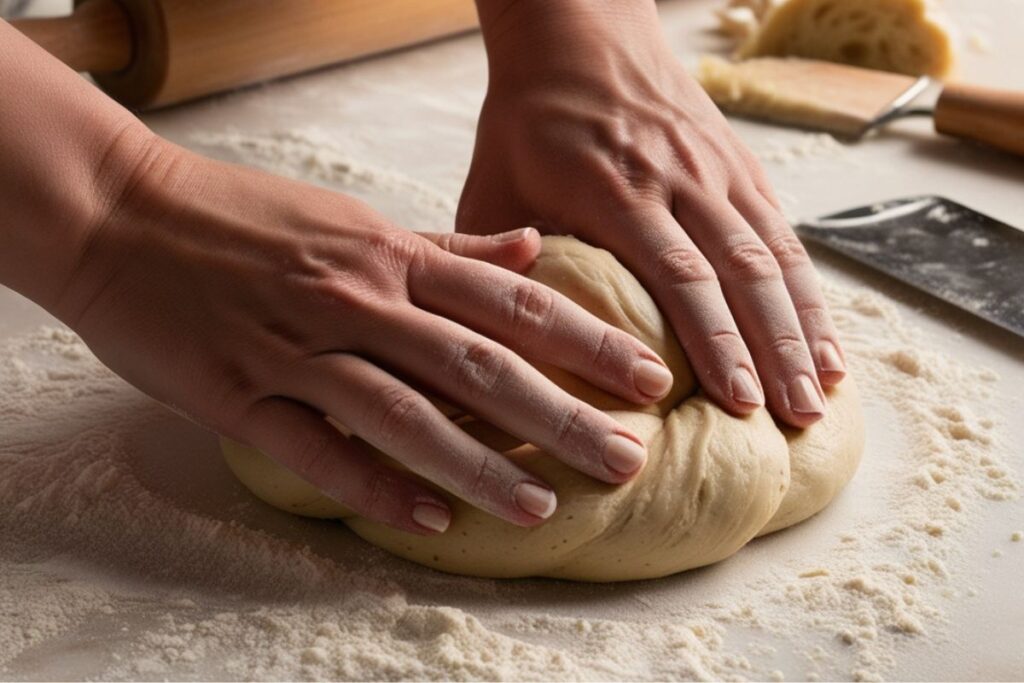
591 127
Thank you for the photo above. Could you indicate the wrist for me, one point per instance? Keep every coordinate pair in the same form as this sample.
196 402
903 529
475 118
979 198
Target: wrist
52 236
62 141
134 180
527 37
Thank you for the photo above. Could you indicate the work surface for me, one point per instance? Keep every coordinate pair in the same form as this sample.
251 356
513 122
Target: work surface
127 550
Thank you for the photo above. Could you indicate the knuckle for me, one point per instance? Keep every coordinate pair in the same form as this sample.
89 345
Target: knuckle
394 243
763 186
531 307
238 387
480 368
373 495
448 241
636 167
570 426
288 333
812 308
628 168
480 483
348 294
747 160
814 315
702 161
397 412
788 346
612 136
683 266
750 261
788 250
605 351
398 251
314 455
725 348
724 337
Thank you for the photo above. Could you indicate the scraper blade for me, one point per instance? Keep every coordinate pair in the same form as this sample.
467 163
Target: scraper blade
955 253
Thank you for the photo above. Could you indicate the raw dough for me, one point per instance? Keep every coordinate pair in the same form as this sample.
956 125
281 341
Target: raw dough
906 36
711 484
779 89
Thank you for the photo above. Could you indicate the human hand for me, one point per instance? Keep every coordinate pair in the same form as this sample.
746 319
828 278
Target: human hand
257 305
591 127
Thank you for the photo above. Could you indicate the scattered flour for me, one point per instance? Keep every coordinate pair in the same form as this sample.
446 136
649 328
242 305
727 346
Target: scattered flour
169 568
807 146
122 534
313 155
941 213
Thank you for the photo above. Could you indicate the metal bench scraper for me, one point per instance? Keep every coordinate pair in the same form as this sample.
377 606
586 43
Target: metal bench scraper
957 254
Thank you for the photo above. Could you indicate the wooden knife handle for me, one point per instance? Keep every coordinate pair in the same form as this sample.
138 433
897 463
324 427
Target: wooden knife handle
986 115
96 38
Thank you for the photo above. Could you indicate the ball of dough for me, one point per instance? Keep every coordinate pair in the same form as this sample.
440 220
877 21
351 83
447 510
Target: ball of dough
906 36
712 481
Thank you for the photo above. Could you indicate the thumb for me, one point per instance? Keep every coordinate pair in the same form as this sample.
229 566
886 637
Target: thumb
514 250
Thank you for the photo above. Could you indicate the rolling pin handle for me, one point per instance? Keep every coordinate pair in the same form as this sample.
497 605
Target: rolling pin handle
96 38
992 117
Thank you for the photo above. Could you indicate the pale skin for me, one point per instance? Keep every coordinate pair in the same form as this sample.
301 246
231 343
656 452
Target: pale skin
256 305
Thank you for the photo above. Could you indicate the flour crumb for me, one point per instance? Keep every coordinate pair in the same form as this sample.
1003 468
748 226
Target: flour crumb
806 147
813 573
940 213
979 41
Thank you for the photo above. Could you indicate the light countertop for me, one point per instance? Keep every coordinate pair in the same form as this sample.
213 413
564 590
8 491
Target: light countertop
409 117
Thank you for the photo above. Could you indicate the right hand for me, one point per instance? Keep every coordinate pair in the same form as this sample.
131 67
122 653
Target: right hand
591 127
257 306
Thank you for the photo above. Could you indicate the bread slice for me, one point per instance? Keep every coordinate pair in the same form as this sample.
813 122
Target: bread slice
904 36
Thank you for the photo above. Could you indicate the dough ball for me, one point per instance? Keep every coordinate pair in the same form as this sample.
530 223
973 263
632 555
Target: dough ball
905 36
712 481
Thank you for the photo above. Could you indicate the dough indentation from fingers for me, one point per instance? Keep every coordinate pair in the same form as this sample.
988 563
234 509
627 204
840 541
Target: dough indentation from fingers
711 482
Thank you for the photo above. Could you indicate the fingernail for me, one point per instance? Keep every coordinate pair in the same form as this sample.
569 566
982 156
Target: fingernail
537 500
433 517
512 235
624 455
744 388
652 379
829 359
803 397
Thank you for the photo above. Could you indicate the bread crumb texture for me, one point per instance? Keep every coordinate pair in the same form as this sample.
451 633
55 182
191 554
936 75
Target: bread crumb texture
911 37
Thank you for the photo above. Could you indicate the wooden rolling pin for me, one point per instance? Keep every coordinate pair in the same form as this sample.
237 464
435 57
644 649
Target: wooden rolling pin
151 53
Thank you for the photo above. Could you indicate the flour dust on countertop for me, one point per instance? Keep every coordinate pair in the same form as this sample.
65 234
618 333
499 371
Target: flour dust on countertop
327 159
122 533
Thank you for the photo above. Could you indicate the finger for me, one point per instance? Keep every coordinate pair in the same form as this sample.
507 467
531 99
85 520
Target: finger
536 321
494 383
401 422
303 441
751 280
672 268
515 250
802 282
